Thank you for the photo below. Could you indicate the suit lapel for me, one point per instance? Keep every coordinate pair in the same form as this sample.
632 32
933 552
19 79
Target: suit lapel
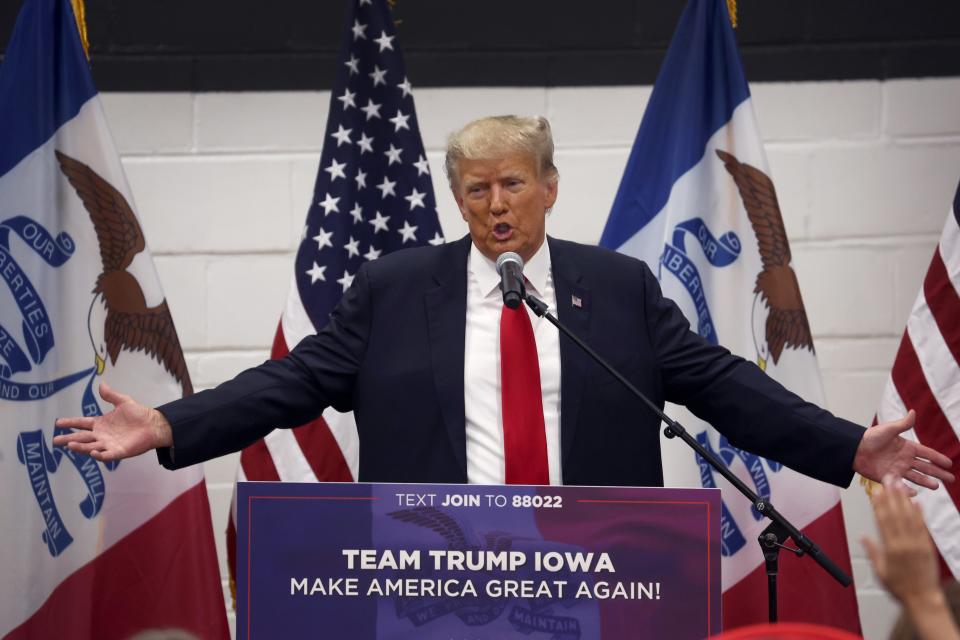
573 310
446 317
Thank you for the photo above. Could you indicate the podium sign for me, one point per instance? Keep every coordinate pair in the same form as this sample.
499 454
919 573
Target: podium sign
405 561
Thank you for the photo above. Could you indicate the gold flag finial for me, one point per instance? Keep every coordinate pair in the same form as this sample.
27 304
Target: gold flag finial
732 9
80 13
869 486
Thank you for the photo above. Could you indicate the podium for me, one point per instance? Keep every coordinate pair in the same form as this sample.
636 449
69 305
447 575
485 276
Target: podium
422 561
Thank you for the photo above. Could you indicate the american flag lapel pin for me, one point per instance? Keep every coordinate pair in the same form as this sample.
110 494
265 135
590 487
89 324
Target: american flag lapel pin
575 301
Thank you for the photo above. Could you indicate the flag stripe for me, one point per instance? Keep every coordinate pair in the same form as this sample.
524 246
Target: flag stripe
146 580
289 459
257 463
327 460
939 371
944 303
933 430
939 511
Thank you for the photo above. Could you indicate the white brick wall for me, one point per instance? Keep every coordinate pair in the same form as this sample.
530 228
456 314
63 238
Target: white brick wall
865 172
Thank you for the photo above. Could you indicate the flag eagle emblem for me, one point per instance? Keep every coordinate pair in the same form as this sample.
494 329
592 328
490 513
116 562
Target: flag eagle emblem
119 317
779 319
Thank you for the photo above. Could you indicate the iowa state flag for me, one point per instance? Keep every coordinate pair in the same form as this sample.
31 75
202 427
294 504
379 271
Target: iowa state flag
87 550
697 202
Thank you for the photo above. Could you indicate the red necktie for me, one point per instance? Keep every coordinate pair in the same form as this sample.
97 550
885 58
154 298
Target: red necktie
524 435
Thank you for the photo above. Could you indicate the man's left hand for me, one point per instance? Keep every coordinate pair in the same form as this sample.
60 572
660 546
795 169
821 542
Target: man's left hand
884 451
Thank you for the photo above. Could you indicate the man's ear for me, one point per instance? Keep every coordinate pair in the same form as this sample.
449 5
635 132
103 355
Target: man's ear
551 189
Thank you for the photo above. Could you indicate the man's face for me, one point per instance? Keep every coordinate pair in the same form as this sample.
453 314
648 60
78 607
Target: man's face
505 204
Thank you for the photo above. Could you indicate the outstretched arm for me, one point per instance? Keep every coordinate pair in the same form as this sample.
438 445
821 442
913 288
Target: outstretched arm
884 451
127 431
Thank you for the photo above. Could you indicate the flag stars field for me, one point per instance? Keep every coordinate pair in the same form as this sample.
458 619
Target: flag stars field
408 232
316 273
387 187
359 30
342 135
373 169
400 121
422 166
365 143
378 76
393 154
357 213
372 109
329 203
352 247
352 64
346 280
415 199
323 239
336 170
385 41
379 222
348 99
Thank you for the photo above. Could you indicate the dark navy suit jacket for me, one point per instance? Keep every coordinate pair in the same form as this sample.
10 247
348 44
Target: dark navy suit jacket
393 352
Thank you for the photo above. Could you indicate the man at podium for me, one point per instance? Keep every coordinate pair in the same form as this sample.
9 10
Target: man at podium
450 385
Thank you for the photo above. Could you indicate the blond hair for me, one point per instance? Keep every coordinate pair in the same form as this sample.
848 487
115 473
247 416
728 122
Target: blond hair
498 136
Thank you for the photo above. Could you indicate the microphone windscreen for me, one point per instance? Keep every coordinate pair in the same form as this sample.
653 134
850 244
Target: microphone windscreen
506 257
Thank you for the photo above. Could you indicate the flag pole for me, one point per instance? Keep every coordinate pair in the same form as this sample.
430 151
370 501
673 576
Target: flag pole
80 13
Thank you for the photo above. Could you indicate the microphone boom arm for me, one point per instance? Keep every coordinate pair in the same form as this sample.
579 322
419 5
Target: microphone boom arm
675 430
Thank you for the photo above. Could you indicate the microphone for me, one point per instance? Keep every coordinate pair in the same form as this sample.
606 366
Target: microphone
510 268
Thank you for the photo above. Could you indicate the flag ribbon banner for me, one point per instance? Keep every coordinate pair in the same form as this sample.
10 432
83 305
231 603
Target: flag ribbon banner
91 549
373 195
696 199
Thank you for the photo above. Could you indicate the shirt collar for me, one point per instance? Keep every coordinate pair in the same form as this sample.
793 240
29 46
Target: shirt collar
536 271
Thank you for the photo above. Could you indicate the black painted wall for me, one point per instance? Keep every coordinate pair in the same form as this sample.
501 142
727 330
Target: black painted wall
215 45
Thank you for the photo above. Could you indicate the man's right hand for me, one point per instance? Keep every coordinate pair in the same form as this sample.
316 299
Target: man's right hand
127 431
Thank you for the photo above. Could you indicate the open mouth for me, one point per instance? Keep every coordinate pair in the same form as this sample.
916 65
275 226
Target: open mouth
502 231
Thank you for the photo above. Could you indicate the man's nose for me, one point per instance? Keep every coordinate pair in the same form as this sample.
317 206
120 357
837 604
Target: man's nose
498 202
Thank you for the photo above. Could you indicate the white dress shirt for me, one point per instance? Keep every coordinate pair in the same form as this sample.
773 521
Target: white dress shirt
481 366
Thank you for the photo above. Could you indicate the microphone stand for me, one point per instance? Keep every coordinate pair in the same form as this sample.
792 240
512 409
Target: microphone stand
773 537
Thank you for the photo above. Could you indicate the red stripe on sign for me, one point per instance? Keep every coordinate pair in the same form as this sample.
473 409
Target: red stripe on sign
932 427
163 575
944 303
806 592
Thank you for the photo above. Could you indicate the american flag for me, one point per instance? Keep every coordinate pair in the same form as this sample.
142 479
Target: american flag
373 195
926 378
